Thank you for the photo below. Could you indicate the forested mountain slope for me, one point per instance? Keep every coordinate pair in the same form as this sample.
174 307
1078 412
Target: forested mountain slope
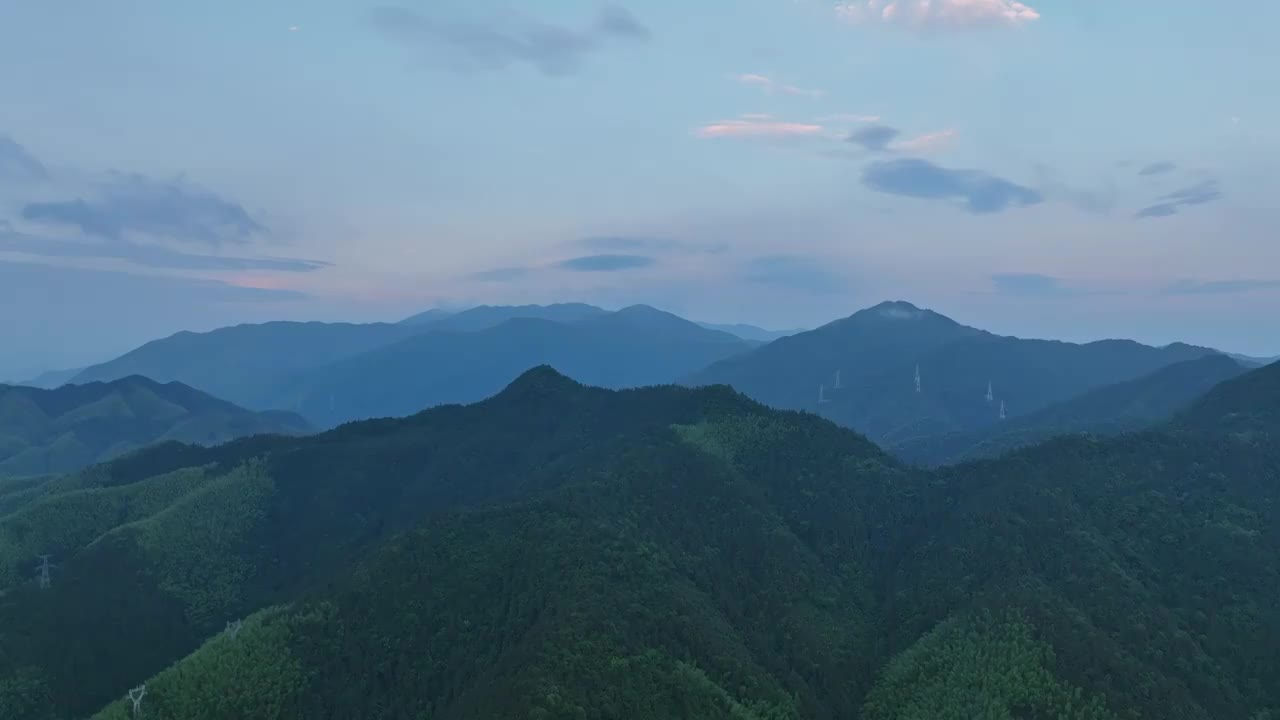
877 352
1107 410
57 431
564 551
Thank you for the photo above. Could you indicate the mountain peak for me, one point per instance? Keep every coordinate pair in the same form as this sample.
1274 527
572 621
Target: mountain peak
641 309
540 381
896 310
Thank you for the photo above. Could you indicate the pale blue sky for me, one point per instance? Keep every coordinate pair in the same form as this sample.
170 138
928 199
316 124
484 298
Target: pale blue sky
1065 169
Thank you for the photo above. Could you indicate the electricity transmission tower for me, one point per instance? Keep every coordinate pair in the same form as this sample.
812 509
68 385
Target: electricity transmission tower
233 628
990 396
1002 413
135 696
917 378
822 395
44 572
837 385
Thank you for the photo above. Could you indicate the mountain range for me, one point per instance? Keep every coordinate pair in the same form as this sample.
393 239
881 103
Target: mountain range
44 432
334 373
861 372
857 371
632 347
559 551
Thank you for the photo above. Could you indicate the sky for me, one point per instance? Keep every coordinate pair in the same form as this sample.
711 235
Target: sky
1074 169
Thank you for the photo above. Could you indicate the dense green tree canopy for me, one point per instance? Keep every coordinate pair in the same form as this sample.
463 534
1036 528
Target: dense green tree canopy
560 551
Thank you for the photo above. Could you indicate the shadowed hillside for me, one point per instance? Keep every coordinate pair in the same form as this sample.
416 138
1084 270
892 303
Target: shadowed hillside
1108 410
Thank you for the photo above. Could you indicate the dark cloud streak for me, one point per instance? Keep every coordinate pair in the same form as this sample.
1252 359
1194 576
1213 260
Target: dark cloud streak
18 164
606 263
496 43
136 204
1158 168
501 274
875 138
980 192
793 273
1203 192
144 255
635 244
1035 285
1219 287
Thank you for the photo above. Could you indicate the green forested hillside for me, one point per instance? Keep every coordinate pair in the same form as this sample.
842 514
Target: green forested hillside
559 551
1107 410
45 432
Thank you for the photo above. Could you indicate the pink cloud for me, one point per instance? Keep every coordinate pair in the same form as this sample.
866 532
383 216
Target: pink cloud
938 13
929 142
771 86
749 127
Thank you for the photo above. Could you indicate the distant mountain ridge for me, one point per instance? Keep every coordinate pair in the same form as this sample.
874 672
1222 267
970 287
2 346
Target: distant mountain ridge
857 371
337 372
1254 361
751 332
45 432
860 372
632 347
52 379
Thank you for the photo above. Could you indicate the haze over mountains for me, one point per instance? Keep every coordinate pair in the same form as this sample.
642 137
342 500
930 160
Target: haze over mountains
560 550
45 432
1106 410
335 373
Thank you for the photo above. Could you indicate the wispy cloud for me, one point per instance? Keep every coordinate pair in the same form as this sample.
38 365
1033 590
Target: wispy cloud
1158 168
926 143
649 245
979 192
770 85
1099 200
606 263
618 21
495 43
18 164
93 288
1205 191
759 128
506 274
848 118
1035 285
938 13
145 255
794 272
133 204
881 138
1219 287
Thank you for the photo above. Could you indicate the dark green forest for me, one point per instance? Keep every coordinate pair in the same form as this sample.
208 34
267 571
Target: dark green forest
563 551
